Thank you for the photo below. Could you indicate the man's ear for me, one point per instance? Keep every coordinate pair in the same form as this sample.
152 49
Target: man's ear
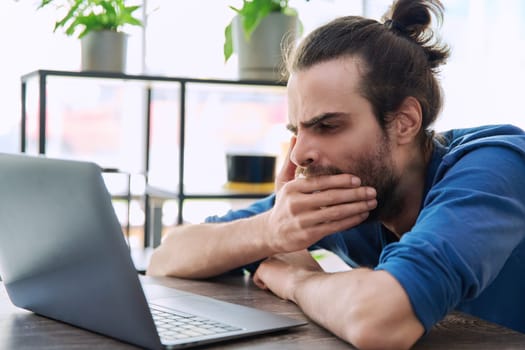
407 121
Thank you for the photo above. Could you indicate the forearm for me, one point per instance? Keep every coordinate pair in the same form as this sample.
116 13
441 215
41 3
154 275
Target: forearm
205 250
366 308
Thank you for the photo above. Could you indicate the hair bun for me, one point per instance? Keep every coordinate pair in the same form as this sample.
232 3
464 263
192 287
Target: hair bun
413 18
394 25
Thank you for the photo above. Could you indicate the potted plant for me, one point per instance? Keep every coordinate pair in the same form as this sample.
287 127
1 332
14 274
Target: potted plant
259 32
97 24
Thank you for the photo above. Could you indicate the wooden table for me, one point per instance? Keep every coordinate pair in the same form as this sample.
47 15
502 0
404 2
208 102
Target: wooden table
20 329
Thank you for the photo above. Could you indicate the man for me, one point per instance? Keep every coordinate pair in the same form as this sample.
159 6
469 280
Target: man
430 223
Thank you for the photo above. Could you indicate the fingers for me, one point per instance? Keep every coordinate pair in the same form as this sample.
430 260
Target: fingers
307 209
339 202
313 225
281 273
333 197
258 281
305 218
325 182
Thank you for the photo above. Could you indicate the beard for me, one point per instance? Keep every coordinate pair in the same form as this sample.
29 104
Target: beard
375 169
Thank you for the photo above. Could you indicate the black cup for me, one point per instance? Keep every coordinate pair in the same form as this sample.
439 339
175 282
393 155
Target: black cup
250 168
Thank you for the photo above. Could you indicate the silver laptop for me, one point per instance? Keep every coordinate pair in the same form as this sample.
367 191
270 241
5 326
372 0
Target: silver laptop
63 256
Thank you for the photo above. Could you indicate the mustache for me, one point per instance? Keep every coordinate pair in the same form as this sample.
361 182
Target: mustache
312 171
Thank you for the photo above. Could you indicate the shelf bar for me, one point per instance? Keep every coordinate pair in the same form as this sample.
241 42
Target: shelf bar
149 218
182 134
23 118
122 76
42 114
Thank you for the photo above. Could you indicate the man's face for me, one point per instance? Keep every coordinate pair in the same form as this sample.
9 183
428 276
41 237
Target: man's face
337 131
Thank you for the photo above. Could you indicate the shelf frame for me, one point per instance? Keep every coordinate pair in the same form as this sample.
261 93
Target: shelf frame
152 224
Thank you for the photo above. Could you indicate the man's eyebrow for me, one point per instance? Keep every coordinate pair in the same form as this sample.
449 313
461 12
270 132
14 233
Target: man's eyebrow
292 128
312 122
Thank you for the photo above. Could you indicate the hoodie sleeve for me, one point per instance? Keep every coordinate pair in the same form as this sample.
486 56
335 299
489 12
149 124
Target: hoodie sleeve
472 219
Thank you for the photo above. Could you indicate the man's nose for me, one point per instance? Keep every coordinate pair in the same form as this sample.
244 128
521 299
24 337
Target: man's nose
304 152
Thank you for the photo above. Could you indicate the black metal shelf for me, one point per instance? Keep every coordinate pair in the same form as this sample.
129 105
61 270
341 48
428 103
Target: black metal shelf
152 231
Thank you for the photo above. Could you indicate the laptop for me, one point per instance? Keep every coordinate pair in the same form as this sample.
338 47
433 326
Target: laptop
63 256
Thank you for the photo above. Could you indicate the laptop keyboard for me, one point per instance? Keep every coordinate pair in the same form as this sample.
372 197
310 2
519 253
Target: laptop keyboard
173 325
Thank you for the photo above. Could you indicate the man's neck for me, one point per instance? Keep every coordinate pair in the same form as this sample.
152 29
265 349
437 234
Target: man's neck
407 217
410 192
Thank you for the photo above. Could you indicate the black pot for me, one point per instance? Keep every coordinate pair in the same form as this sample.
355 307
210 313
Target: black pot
250 168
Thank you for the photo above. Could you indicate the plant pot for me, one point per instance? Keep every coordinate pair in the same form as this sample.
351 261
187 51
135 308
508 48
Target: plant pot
261 58
250 169
104 51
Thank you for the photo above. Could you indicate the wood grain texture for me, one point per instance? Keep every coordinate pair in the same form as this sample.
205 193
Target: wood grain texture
20 329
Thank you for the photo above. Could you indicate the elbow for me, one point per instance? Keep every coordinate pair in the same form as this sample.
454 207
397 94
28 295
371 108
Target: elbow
163 264
168 260
365 337
157 265
369 328
379 320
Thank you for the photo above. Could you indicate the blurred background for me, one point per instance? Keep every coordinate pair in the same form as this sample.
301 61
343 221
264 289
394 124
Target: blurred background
482 82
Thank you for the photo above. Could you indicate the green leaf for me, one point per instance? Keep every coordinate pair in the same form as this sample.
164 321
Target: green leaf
228 42
84 16
127 16
44 3
252 14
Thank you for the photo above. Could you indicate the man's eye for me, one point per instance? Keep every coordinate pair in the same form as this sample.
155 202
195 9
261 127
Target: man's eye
326 127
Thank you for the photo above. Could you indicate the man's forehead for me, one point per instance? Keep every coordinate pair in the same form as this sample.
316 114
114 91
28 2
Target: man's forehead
341 74
325 88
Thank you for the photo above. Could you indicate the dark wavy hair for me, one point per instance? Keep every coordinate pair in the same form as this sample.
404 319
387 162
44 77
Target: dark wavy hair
399 56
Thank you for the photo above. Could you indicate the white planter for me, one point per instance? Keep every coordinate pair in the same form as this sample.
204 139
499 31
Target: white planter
104 51
261 58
